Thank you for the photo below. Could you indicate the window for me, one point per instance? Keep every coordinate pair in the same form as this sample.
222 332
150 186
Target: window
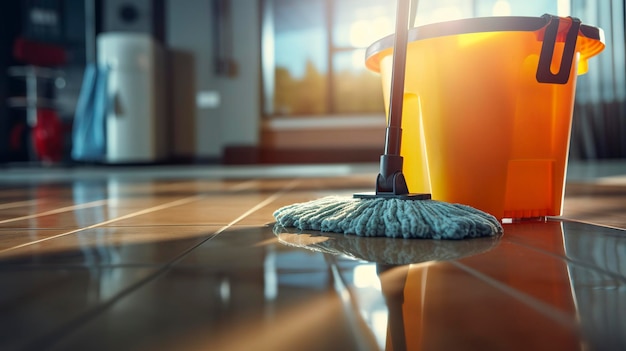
314 50
314 56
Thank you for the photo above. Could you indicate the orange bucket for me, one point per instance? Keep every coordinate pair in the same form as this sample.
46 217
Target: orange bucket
488 108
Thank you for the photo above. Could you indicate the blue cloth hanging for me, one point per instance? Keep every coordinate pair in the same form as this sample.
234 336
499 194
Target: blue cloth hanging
89 129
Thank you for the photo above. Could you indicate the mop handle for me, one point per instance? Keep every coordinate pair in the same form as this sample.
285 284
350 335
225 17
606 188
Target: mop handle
390 181
394 132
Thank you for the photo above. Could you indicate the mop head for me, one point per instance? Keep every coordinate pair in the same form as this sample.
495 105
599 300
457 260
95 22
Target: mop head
389 217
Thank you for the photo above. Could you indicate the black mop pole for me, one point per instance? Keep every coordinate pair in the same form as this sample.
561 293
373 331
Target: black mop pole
390 181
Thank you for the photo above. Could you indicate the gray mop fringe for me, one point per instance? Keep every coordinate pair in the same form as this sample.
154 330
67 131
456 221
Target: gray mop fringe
389 217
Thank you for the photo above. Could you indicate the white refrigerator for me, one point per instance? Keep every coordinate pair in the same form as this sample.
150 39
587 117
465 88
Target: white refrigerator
135 122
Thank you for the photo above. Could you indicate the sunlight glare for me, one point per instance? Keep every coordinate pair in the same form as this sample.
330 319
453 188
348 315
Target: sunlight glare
447 13
359 34
363 33
358 59
379 325
564 8
365 277
501 8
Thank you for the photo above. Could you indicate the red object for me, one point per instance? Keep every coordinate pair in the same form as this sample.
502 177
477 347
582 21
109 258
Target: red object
48 136
38 54
15 138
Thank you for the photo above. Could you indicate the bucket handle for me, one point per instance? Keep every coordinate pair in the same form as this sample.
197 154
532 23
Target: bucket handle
544 74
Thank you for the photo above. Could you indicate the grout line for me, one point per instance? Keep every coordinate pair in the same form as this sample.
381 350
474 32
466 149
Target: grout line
237 187
258 206
55 335
58 210
540 306
243 185
130 215
17 204
593 223
361 333
569 260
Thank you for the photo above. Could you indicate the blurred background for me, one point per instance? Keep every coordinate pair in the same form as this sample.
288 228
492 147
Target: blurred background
241 81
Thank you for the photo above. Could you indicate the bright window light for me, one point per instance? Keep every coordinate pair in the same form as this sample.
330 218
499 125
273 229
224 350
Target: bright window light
363 33
358 58
447 13
501 8
564 8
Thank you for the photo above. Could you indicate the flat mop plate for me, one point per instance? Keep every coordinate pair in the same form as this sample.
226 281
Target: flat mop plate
373 195
389 217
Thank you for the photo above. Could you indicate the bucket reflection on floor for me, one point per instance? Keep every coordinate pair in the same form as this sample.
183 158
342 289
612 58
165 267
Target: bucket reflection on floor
389 270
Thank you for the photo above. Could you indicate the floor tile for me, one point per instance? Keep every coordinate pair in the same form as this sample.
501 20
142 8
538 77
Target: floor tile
539 280
491 319
41 303
595 247
596 203
105 246
10 238
128 259
77 216
452 289
543 277
238 291
212 210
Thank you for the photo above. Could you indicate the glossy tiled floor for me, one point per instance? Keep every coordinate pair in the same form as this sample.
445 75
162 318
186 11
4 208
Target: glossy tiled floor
111 259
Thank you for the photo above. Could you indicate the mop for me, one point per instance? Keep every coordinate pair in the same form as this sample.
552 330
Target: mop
391 211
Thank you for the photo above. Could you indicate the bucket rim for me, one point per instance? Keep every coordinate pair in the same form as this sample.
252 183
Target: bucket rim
475 25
